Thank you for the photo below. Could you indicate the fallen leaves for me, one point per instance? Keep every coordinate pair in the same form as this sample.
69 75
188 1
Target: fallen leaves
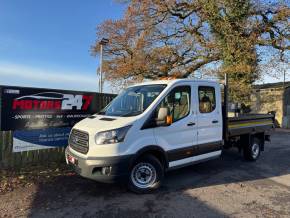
11 179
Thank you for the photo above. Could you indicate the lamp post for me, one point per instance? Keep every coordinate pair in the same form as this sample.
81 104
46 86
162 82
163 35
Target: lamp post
103 42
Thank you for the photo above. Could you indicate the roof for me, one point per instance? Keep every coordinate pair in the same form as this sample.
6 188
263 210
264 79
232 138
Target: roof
271 85
173 81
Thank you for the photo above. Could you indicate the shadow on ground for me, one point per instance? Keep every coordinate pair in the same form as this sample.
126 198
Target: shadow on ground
74 196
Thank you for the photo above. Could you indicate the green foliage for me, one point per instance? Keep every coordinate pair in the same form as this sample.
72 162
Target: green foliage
228 20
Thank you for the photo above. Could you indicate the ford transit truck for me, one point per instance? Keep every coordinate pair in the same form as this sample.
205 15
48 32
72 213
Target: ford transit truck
158 126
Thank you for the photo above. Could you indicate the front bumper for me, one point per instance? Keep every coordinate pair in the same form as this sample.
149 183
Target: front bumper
91 167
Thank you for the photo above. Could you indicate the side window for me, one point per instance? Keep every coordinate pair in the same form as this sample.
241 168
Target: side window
178 102
207 100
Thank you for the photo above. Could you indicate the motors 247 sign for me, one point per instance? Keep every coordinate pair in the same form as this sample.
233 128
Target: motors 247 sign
34 108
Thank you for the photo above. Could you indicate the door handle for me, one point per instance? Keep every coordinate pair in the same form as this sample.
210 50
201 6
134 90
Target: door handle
191 124
215 121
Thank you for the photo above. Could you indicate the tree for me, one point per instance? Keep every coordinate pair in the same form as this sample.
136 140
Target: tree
277 65
157 38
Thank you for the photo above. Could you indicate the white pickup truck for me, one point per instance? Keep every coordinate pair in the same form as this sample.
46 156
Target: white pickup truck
157 126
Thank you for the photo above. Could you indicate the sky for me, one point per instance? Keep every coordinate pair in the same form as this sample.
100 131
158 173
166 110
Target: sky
46 43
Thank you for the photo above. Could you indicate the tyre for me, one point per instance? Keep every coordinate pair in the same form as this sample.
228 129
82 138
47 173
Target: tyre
146 175
253 150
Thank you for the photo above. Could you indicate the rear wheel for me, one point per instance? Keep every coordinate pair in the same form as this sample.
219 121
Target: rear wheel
253 150
146 175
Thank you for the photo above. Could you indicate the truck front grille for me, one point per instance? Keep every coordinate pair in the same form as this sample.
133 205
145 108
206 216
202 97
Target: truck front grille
79 141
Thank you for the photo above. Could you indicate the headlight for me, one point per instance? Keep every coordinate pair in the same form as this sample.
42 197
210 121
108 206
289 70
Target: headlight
111 136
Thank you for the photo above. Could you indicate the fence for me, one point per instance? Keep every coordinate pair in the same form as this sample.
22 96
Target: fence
9 159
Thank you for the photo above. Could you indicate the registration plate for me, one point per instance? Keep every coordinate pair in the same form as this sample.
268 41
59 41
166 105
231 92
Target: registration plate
71 159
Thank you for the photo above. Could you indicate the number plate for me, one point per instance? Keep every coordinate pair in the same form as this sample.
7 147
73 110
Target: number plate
71 159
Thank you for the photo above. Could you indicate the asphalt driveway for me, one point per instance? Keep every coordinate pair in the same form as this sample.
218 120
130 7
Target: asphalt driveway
227 187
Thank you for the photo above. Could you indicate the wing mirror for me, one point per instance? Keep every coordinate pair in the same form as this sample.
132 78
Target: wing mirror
163 117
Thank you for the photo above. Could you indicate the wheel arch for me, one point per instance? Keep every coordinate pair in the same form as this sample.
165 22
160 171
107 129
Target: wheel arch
261 137
248 138
154 150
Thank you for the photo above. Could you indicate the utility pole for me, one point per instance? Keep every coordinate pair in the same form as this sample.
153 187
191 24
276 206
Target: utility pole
102 43
225 108
284 80
100 73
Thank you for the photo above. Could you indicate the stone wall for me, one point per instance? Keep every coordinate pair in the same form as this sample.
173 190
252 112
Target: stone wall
270 99
286 118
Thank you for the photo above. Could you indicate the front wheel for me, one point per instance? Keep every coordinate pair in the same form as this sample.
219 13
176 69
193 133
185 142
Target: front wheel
253 150
146 175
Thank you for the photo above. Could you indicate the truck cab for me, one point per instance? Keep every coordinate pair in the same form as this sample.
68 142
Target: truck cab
147 130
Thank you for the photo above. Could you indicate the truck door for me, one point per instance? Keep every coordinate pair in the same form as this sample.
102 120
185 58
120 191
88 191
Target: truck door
209 118
180 137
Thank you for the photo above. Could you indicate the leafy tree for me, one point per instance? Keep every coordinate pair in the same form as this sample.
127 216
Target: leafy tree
161 38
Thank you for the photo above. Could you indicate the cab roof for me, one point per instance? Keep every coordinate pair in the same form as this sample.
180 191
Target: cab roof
174 81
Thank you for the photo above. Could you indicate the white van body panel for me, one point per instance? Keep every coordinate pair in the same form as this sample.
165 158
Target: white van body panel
210 124
92 126
178 134
195 159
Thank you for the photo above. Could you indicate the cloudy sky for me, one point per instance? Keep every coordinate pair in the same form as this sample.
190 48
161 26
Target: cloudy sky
46 43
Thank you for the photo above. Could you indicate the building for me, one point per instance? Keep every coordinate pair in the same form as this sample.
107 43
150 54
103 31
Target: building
273 97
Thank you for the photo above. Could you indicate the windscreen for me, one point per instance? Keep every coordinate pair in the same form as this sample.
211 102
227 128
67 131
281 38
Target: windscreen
133 101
